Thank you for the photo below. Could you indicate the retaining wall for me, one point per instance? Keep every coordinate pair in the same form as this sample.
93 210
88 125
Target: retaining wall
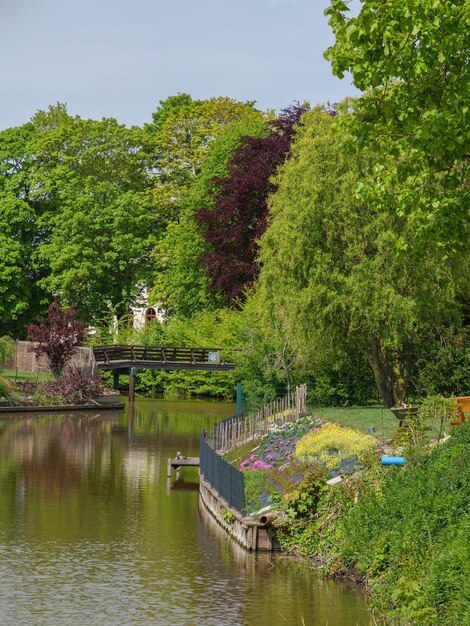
27 361
247 532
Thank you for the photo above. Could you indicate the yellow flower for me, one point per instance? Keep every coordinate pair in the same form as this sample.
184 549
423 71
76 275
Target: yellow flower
332 443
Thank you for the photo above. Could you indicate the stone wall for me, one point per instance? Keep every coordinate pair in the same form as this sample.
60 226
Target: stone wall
27 361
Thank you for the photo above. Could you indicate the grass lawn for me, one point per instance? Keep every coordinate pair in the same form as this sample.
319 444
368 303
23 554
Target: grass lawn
24 376
361 418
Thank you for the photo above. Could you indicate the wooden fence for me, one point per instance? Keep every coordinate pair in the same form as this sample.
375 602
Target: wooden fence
235 431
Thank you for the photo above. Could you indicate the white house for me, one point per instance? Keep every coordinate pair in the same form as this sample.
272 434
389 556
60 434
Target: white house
143 312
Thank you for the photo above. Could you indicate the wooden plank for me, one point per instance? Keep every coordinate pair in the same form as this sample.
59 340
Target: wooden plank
189 461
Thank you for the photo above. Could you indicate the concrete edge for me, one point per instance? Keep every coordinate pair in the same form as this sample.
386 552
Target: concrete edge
65 408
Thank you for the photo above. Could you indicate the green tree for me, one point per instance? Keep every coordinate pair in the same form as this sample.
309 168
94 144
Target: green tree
176 142
20 232
180 283
167 107
101 225
412 60
331 278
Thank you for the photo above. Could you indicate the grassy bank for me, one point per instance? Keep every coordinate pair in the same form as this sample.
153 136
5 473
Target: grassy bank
362 418
17 376
404 531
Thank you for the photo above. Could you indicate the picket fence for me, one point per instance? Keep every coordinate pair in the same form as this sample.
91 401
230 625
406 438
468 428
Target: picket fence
237 430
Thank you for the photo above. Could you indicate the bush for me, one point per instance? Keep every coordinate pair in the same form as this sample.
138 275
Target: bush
74 386
300 502
447 582
57 336
185 384
5 388
7 347
348 382
445 368
438 412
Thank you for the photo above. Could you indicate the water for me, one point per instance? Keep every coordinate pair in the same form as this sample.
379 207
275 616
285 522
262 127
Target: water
92 532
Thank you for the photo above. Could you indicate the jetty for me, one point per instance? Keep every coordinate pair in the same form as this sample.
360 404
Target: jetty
181 461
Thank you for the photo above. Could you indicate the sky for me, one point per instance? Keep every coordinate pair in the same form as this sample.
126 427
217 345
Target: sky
119 58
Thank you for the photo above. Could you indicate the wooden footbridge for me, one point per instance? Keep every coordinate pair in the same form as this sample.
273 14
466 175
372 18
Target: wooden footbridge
123 359
160 358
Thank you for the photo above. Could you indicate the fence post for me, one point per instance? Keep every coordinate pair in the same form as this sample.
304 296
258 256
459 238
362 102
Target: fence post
239 399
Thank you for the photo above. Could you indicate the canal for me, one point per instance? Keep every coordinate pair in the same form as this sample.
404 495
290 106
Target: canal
92 532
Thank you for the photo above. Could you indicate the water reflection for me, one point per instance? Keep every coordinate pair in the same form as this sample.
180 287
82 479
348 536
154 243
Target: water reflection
91 532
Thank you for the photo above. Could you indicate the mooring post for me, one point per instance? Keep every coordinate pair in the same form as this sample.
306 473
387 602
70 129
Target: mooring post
132 374
116 380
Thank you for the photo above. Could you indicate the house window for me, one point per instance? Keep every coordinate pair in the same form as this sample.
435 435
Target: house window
150 314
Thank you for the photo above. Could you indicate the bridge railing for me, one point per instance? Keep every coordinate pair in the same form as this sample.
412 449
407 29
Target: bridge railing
106 355
237 430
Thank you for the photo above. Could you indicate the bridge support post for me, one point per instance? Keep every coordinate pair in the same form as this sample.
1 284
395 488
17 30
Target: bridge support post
132 374
115 380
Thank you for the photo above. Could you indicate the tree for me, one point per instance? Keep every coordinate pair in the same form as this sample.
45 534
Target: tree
180 283
177 140
167 107
20 232
101 225
57 336
233 226
412 60
330 276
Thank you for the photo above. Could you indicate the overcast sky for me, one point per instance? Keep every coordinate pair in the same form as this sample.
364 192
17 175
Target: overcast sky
119 58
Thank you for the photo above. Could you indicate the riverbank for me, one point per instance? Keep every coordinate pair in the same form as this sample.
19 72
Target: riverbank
402 532
61 408
73 390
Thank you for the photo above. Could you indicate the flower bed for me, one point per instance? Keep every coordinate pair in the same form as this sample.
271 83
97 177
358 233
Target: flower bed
286 457
278 446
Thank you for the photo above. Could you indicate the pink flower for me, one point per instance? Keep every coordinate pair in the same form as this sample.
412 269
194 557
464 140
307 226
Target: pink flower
261 465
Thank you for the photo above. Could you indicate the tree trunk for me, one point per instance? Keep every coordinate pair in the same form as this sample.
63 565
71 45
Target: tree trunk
400 385
383 373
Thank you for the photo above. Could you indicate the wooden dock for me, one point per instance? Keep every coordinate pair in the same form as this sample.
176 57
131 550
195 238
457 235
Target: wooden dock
181 461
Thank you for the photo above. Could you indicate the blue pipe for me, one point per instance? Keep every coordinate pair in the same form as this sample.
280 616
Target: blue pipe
393 460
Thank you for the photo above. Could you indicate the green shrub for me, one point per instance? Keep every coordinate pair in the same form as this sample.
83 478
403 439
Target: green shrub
5 387
447 582
445 366
348 382
7 347
301 500
438 411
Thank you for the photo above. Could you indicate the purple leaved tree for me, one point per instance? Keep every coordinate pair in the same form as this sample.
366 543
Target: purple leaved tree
56 336
233 227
